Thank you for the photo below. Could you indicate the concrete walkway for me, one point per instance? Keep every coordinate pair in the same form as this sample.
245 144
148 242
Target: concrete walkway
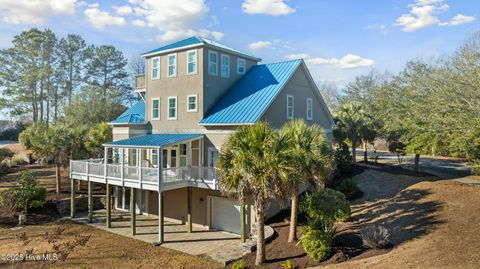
218 245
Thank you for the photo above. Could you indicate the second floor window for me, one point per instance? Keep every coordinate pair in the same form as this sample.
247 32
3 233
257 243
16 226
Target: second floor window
212 63
172 108
290 107
192 103
241 66
309 108
156 68
191 62
155 109
225 68
172 65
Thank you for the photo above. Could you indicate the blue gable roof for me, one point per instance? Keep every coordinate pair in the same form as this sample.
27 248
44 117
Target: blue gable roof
248 99
195 40
153 140
135 114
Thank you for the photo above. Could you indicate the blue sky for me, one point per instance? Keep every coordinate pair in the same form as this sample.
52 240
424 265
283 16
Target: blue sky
338 39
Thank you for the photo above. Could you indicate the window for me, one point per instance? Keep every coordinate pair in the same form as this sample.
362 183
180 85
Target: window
241 66
154 158
164 158
173 158
192 103
309 109
212 62
183 155
225 68
191 62
172 108
155 108
156 68
289 107
172 65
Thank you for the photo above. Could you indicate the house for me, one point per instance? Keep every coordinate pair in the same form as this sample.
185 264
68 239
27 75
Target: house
195 93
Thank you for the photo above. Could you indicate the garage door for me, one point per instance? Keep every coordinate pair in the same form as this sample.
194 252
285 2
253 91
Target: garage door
225 215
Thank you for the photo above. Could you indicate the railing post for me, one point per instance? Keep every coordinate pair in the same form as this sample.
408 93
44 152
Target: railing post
202 153
139 165
189 159
105 161
122 160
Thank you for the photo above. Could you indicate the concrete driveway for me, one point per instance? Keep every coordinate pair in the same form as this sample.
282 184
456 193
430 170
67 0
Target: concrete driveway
218 245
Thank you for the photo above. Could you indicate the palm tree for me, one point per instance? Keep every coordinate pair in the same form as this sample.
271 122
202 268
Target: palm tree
311 162
254 165
349 121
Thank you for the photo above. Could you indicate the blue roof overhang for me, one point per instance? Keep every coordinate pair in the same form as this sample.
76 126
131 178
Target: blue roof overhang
153 140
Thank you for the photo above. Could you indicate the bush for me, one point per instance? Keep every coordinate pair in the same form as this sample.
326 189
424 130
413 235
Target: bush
343 159
327 205
240 264
375 236
17 161
8 201
28 194
288 264
349 188
317 244
5 154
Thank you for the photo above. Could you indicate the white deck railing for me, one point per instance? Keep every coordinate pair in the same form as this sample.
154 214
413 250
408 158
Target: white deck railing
84 169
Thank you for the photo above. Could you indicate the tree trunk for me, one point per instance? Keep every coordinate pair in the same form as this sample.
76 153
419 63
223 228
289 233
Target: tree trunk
417 162
260 225
292 236
365 153
354 149
58 178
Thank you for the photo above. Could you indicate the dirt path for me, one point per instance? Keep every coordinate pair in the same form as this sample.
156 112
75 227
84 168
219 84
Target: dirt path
433 223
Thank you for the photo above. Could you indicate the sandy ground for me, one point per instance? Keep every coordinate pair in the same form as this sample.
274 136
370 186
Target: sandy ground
102 250
433 223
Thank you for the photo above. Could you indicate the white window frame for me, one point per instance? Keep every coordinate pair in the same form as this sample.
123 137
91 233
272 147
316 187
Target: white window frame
156 99
176 108
195 61
196 103
159 64
240 60
211 52
290 117
309 108
174 65
222 66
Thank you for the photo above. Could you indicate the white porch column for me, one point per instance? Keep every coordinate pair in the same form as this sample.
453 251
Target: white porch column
189 159
160 198
201 152
122 160
105 161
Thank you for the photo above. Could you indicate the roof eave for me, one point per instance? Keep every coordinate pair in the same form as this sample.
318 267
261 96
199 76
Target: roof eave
227 124
148 54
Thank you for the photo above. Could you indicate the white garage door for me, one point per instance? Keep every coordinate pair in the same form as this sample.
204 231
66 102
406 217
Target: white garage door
225 215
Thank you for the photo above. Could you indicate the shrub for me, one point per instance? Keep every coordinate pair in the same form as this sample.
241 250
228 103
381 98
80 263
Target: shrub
28 194
288 264
343 159
8 201
240 264
349 188
5 154
327 205
375 236
18 161
316 243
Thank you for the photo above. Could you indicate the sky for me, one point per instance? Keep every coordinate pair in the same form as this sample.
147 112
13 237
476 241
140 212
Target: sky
338 39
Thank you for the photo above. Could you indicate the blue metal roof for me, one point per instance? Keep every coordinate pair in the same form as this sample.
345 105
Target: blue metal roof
195 40
135 114
248 99
153 140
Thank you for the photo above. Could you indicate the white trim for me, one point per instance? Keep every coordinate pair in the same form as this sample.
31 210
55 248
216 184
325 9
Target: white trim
224 56
309 108
168 108
174 65
196 103
216 62
293 107
159 68
196 62
244 66
155 99
227 124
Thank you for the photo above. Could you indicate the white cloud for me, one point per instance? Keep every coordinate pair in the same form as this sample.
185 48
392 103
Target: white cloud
174 19
259 45
268 7
349 61
296 56
34 11
139 23
99 19
458 19
424 13
123 10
